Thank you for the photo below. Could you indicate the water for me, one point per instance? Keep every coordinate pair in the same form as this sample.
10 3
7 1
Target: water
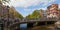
43 27
23 26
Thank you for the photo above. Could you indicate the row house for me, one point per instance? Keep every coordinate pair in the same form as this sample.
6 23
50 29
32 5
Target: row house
52 11
42 12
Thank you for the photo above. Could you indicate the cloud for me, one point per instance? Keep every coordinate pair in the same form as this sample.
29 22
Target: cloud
33 4
27 3
29 11
42 8
59 6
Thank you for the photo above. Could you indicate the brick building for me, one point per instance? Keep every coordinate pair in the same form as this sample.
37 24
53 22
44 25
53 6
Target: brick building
3 14
52 10
42 12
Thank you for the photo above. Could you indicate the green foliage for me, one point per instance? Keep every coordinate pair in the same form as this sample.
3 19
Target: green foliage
29 16
4 1
35 14
13 12
18 15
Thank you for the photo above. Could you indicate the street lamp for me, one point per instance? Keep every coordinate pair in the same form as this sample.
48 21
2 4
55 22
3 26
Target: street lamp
8 16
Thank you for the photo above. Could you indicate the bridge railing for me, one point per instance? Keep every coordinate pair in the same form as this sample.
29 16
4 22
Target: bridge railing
18 20
40 19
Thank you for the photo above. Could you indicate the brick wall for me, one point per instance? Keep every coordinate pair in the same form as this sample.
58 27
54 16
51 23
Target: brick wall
52 10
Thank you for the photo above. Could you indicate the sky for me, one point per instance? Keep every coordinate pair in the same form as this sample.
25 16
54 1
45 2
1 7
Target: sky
26 7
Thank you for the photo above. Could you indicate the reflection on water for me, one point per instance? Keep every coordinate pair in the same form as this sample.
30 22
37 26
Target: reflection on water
43 27
23 26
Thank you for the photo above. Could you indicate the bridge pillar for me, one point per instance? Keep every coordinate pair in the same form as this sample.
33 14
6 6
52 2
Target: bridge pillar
46 23
41 23
49 22
35 24
30 24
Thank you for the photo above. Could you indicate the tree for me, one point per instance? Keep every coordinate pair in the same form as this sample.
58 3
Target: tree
19 15
29 16
3 1
13 12
35 14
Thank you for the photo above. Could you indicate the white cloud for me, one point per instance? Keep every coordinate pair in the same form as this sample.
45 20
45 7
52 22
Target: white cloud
42 8
29 11
59 6
27 3
50 1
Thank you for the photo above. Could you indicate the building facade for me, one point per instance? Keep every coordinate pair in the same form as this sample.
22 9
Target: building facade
42 13
52 11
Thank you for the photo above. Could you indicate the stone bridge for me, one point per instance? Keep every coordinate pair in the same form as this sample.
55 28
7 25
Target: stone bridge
11 21
32 20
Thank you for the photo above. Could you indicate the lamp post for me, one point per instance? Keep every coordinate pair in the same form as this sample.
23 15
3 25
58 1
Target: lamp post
8 16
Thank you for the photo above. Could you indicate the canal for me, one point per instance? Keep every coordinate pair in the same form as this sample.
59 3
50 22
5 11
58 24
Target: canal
41 27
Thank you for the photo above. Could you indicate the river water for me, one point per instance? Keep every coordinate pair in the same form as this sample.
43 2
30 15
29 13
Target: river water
23 26
41 27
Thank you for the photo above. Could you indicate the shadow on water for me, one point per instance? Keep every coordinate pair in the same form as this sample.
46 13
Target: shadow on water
23 26
41 27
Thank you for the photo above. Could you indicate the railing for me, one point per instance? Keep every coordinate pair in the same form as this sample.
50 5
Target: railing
16 21
26 20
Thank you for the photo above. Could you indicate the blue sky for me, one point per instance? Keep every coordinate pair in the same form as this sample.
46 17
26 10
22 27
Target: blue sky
26 7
